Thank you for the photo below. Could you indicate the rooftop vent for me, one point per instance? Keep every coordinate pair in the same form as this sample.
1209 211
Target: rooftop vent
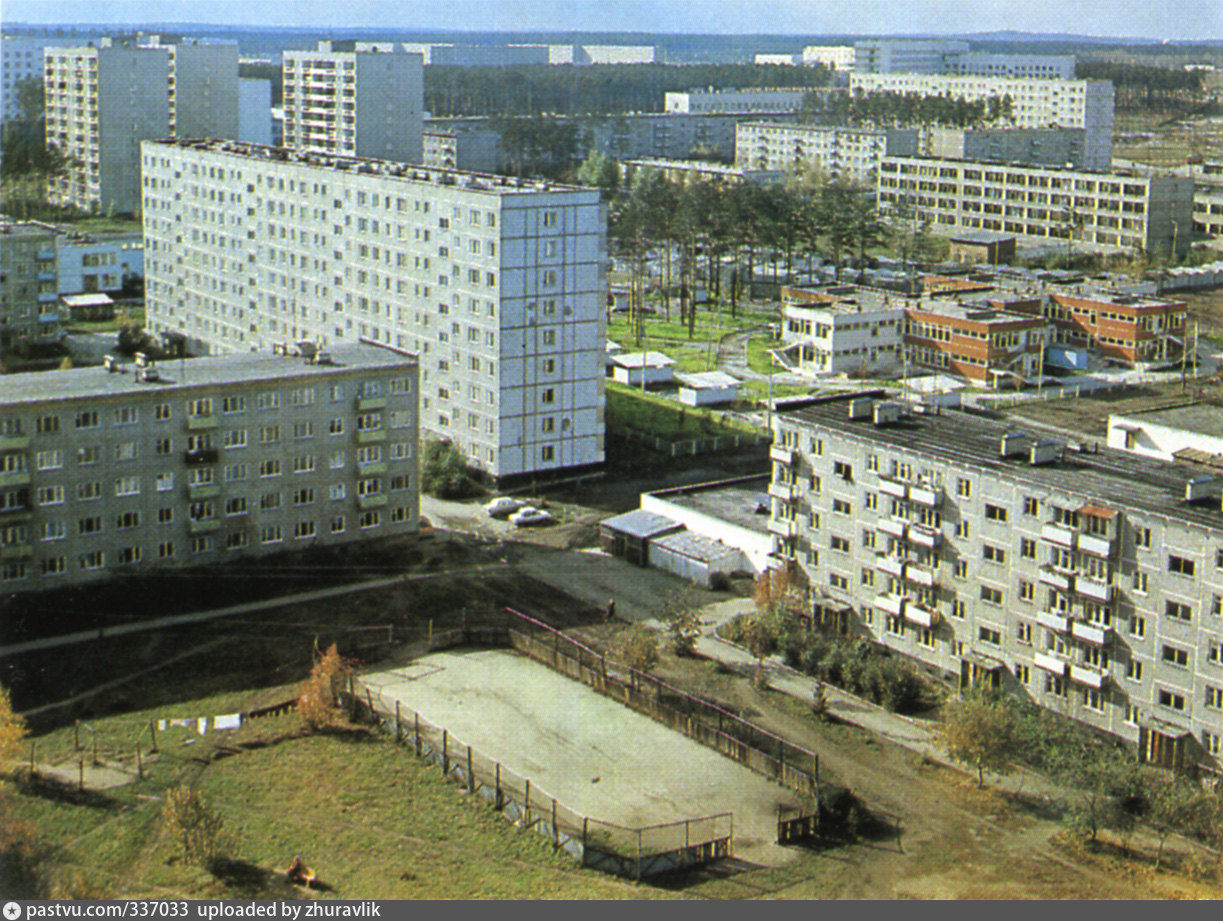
1045 452
111 364
1013 444
887 413
860 408
1199 488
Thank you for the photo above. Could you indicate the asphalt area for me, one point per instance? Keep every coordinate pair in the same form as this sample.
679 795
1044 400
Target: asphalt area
593 754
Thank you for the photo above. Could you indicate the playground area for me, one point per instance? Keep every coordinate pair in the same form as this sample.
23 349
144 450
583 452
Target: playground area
594 755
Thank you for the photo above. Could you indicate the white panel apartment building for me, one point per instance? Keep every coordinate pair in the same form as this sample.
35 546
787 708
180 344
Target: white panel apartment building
1115 210
101 103
850 153
215 459
203 88
20 60
1091 583
699 102
1086 104
496 283
356 100
29 309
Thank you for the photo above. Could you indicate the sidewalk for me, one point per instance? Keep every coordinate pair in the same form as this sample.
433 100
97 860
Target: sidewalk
905 731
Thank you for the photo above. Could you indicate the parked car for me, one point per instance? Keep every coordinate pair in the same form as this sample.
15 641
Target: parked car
503 507
525 517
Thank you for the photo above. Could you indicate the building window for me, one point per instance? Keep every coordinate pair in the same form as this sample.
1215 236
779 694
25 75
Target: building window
1173 655
1171 700
989 635
1181 566
995 513
963 488
843 470
1214 697
991 595
1178 611
993 554
960 569
1141 583
1031 506
1142 538
1093 699
838 543
1027 590
1023 633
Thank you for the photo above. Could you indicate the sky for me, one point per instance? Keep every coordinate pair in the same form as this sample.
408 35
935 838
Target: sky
1156 19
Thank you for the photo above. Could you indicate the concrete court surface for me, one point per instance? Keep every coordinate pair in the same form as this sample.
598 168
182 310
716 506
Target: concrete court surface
593 754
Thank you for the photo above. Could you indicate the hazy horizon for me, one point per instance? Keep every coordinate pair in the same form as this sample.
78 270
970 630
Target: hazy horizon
1174 20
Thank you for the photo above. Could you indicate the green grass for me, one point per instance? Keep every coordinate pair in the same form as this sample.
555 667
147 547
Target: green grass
124 316
629 408
106 225
758 358
366 815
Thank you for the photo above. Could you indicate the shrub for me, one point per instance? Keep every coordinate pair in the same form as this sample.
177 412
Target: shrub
193 825
637 647
12 730
318 705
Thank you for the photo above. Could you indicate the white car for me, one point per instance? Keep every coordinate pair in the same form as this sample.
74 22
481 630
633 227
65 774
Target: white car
503 507
530 516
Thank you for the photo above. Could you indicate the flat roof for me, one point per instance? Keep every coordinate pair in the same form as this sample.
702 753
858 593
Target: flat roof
743 502
637 359
694 546
1199 418
707 379
1103 477
641 524
983 236
248 367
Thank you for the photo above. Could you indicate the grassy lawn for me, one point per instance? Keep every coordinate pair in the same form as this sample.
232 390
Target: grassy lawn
124 316
368 817
758 358
629 408
107 225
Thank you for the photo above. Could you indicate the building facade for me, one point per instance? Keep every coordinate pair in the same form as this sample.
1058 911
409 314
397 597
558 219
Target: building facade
1089 581
849 153
829 331
92 263
1118 210
109 470
355 100
1086 104
906 56
20 60
1058 147
204 96
29 310
255 111
101 102
834 57
496 283
759 100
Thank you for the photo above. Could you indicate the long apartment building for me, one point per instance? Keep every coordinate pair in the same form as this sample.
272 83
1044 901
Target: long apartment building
921 56
29 300
102 101
356 100
849 153
496 283
754 99
1088 580
20 60
1118 210
107 470
1086 104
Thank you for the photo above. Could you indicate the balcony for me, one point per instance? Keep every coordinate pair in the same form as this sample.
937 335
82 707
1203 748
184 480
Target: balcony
925 495
203 525
201 422
892 488
369 436
924 536
1092 588
371 469
16 478
365 404
891 604
203 490
1091 633
893 526
1053 621
14 442
1056 578
1097 546
786 492
782 528
920 575
374 500
1088 675
1063 537
782 455
1050 663
923 617
16 552
891 565
201 456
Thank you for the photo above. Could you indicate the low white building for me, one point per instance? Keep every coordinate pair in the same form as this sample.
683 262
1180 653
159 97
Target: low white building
633 367
708 388
1192 433
753 99
89 263
830 332
734 513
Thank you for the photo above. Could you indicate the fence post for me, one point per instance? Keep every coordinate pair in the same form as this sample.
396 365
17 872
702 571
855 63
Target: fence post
139 764
526 805
95 746
416 731
556 835
637 869
471 777
585 826
80 782
153 733
687 837
497 800
398 735
76 735
445 753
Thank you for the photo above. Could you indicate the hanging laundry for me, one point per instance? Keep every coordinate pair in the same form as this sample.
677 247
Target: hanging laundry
203 725
229 721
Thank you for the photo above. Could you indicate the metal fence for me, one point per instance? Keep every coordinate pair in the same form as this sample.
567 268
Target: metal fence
699 719
605 846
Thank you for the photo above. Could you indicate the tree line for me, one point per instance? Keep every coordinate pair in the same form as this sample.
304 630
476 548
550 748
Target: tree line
1141 86
599 89
894 108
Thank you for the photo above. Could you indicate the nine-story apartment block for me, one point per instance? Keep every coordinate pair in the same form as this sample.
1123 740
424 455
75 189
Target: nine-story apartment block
496 283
